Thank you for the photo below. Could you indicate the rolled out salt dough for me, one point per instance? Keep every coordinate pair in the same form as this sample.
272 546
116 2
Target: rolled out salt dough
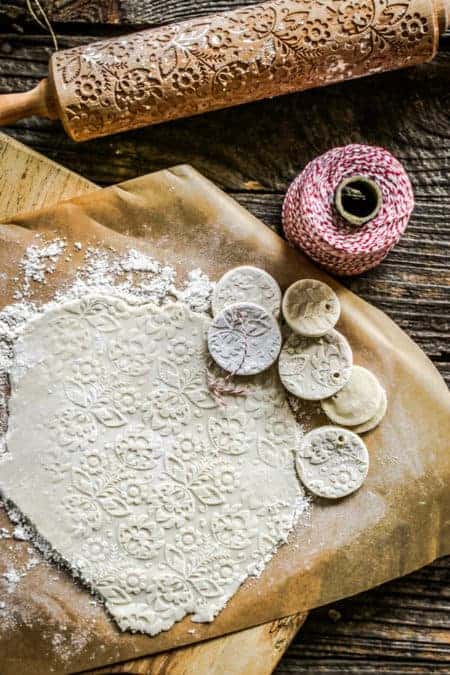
162 499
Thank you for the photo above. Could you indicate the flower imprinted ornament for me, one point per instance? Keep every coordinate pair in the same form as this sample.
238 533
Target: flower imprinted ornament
332 462
315 368
244 339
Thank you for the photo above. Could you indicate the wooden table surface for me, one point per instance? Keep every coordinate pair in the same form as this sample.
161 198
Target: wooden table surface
253 152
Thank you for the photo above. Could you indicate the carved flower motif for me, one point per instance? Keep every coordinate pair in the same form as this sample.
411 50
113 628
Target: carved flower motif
127 398
226 477
188 448
172 504
230 434
170 592
223 569
93 463
264 401
219 38
231 78
55 462
73 429
85 514
140 537
320 449
87 118
132 354
135 492
414 27
96 549
180 350
355 16
232 527
165 324
255 22
134 581
88 88
88 370
67 337
187 81
136 89
139 448
316 33
189 540
344 476
166 410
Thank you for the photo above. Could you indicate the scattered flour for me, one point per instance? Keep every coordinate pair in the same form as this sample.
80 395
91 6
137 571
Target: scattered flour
134 276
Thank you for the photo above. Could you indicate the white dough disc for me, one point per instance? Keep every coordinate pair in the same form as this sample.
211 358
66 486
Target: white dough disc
332 462
311 308
247 284
357 401
376 419
315 368
244 339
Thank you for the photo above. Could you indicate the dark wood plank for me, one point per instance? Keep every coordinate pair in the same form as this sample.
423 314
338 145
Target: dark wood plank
400 627
254 152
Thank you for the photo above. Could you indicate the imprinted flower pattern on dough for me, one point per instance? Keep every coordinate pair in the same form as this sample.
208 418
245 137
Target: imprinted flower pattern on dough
163 498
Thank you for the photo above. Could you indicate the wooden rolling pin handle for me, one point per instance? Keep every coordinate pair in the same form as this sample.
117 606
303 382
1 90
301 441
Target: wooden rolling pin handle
38 101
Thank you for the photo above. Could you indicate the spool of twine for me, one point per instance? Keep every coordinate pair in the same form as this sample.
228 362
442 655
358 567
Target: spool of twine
348 208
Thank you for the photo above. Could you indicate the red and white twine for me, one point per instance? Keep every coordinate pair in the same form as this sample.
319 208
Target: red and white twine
312 223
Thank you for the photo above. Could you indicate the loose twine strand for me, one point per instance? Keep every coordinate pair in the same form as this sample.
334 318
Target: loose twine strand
44 23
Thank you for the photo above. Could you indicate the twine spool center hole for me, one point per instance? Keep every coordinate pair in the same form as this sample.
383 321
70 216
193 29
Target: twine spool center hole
358 199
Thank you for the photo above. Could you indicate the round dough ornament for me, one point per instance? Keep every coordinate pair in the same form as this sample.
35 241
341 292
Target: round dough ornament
311 308
315 368
376 419
244 339
247 284
357 401
332 462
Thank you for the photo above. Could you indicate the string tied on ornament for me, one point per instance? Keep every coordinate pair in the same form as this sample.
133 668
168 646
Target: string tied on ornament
348 208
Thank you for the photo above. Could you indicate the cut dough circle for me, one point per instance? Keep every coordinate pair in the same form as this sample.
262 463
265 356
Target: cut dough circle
357 401
247 284
332 462
244 339
311 308
376 419
315 368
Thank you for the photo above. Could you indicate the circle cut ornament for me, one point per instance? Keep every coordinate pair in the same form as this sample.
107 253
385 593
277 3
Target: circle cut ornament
244 339
357 401
332 462
376 419
247 284
311 308
315 368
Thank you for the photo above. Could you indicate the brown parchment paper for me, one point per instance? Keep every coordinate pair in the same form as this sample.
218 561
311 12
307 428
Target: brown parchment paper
397 522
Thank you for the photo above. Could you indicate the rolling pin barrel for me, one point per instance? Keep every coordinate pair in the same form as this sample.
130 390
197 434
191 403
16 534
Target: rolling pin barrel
227 59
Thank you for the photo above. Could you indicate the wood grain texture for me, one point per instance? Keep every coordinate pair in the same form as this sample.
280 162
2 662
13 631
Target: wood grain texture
29 181
255 651
254 152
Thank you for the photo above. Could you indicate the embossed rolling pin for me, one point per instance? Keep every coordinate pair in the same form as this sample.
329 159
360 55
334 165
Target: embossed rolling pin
227 59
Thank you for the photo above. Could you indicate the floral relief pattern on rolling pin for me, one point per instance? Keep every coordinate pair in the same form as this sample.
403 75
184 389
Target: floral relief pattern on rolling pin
235 57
